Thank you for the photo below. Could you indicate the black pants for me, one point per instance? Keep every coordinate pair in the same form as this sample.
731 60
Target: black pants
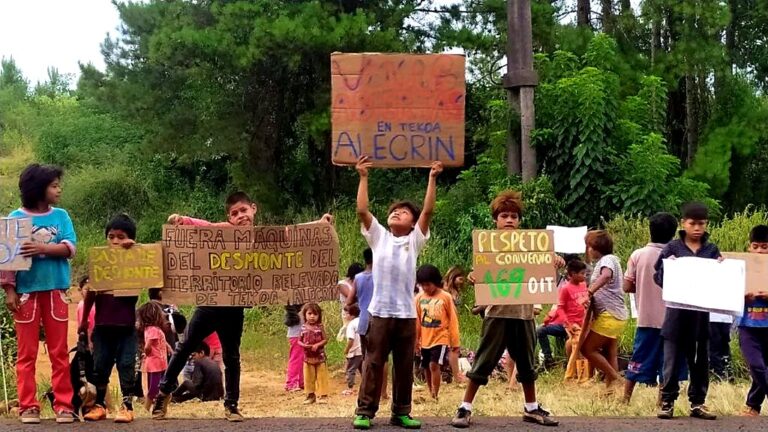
388 335
227 322
115 346
720 349
696 354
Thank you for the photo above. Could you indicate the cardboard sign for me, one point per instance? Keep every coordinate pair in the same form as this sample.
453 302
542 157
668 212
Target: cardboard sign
757 269
705 284
233 266
401 110
13 233
514 267
117 268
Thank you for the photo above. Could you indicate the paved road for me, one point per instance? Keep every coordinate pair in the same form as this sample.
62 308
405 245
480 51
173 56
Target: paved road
567 424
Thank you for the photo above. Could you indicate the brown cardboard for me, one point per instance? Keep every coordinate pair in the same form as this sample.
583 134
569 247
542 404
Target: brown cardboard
118 269
514 267
239 266
401 110
757 270
13 233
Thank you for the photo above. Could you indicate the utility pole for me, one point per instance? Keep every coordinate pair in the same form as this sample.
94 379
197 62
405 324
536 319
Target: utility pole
520 81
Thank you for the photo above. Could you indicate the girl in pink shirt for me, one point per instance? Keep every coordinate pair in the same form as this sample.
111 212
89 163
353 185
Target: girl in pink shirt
151 325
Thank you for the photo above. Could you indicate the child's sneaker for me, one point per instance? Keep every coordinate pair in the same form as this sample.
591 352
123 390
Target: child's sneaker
65 417
666 411
96 413
323 400
30 416
405 421
539 416
310 399
702 412
361 422
462 418
233 414
748 411
160 408
125 415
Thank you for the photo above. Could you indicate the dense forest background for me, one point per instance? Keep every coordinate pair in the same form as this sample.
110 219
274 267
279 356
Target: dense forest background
638 110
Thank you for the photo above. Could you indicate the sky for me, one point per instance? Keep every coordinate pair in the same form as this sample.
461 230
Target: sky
43 33
59 33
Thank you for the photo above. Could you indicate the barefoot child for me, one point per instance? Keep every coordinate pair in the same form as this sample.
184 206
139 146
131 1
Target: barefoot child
37 297
226 321
353 352
392 328
437 325
114 336
151 324
510 327
601 346
646 364
686 332
313 339
753 331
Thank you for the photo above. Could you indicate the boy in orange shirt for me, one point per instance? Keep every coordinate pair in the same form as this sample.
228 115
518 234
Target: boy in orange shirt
437 325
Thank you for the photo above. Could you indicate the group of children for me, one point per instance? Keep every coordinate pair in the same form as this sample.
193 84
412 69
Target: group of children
384 317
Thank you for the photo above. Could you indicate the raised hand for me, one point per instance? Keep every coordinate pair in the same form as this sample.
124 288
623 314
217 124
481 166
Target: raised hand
362 166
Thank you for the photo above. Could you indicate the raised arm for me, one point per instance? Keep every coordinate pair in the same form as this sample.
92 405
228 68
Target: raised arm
365 216
430 197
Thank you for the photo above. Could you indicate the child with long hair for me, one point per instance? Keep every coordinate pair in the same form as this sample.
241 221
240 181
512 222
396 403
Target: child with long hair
313 340
37 297
151 324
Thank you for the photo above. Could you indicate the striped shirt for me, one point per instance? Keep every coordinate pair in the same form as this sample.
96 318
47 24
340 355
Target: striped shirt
394 270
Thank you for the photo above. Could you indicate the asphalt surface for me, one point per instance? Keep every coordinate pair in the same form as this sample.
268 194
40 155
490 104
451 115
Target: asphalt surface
567 424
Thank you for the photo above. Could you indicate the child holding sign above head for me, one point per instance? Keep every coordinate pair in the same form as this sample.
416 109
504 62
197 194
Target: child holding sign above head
37 297
313 339
392 326
226 321
437 325
753 331
114 335
686 332
510 327
600 347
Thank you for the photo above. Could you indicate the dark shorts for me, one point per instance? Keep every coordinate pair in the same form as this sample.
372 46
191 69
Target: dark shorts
517 336
437 354
647 361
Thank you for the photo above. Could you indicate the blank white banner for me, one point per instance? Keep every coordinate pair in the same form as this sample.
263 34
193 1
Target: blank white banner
705 284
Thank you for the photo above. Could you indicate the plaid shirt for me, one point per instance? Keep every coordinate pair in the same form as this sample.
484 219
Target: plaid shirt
394 270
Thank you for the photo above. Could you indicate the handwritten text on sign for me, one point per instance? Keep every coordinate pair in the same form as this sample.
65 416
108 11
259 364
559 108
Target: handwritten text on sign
13 233
117 268
400 110
514 267
251 266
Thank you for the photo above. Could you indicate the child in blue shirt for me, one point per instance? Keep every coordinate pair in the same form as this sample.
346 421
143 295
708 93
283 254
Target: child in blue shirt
37 297
753 331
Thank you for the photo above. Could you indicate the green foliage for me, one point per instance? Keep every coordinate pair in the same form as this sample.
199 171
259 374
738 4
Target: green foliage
739 127
74 137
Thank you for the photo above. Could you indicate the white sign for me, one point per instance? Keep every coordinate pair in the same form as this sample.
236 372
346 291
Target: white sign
569 240
705 284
